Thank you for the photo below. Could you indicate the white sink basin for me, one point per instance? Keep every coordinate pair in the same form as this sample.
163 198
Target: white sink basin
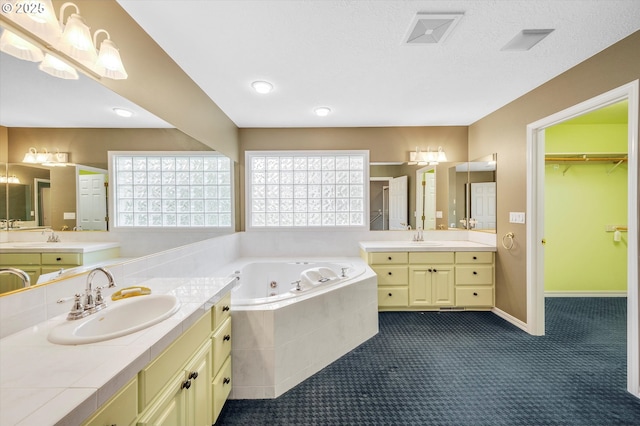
117 319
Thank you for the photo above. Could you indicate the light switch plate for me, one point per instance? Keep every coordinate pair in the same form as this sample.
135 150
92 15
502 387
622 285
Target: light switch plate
438 214
69 215
516 217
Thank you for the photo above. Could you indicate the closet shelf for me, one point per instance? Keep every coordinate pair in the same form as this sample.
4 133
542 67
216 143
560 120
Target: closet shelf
570 158
612 157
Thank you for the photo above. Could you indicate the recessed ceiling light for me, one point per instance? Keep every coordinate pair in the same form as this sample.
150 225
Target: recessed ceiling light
262 86
526 39
123 112
322 111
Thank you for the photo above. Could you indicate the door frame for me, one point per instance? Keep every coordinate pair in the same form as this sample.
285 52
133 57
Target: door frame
535 224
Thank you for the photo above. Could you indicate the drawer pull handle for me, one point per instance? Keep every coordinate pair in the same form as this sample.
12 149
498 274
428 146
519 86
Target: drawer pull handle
226 381
389 257
390 273
435 270
390 294
475 294
226 337
430 270
193 375
58 259
475 258
225 308
475 273
186 384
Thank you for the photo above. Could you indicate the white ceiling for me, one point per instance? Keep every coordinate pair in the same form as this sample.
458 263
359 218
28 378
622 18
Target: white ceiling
347 55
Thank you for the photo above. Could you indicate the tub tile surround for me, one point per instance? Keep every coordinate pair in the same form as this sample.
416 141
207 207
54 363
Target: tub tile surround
26 316
278 345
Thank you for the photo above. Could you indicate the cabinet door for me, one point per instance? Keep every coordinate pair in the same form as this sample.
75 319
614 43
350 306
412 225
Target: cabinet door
199 398
443 285
170 409
420 286
122 409
431 286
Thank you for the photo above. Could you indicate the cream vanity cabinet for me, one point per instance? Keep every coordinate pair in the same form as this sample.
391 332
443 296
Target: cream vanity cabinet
187 384
28 262
431 281
36 264
475 279
424 280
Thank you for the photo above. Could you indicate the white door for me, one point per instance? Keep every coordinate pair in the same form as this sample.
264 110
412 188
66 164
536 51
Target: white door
398 201
426 198
92 202
483 205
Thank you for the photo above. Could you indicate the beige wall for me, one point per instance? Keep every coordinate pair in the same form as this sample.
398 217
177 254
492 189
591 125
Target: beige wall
504 132
384 143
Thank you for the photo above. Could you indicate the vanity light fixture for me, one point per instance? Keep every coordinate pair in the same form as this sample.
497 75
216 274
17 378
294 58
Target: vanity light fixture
262 87
9 179
67 43
46 158
428 157
57 68
123 112
19 47
322 111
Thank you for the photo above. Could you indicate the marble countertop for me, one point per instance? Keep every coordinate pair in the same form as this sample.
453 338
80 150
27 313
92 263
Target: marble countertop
61 247
42 383
385 246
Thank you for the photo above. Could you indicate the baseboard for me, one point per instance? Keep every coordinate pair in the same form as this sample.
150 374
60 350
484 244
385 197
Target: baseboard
602 293
511 319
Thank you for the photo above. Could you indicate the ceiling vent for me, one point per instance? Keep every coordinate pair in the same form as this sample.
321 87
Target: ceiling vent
431 28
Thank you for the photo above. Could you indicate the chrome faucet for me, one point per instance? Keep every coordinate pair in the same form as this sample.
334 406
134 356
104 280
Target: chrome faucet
26 280
53 238
91 303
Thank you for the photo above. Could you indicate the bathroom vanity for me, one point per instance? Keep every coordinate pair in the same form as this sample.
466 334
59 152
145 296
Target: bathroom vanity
432 275
178 370
42 258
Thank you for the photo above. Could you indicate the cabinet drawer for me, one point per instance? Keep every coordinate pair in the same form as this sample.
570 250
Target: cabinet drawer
221 311
221 345
11 259
474 296
221 387
121 409
393 297
392 275
388 258
480 274
61 259
474 257
155 375
430 257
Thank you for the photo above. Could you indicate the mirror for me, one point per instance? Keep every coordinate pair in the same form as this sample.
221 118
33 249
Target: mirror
43 198
413 201
472 205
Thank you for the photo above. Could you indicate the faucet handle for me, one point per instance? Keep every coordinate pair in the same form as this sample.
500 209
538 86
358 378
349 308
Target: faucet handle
77 310
99 299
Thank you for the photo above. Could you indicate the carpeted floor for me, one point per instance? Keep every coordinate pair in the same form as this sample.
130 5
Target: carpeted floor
468 368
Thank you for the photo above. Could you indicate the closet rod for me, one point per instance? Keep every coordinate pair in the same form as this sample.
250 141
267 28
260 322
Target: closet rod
610 159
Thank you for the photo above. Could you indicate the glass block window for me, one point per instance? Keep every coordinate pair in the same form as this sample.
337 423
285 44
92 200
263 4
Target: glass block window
171 190
302 189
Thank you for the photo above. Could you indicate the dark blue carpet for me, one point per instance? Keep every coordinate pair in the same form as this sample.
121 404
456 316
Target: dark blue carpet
468 368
